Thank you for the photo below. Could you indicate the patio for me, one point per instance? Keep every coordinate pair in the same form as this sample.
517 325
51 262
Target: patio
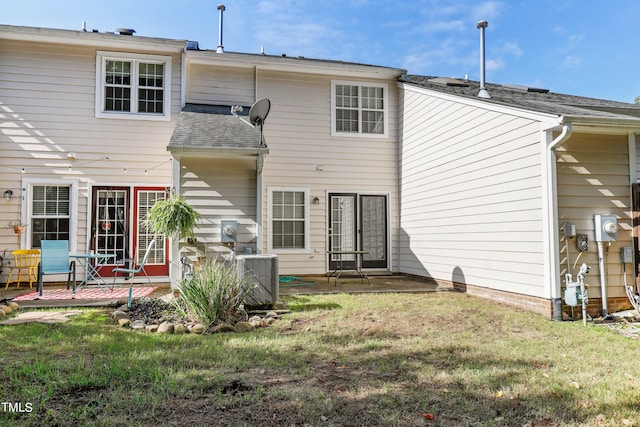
289 285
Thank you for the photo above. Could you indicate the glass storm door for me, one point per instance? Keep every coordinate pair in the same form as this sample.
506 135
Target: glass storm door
373 220
158 261
342 229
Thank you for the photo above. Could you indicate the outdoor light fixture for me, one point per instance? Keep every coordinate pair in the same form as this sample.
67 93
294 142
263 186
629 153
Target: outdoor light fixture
316 200
8 194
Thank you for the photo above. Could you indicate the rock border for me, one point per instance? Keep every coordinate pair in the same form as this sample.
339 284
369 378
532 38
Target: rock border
123 319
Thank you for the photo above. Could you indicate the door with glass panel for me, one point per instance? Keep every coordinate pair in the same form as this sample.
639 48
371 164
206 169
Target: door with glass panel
117 228
373 238
358 223
342 230
158 260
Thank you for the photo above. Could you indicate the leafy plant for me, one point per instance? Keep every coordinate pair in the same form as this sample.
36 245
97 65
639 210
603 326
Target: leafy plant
214 294
172 217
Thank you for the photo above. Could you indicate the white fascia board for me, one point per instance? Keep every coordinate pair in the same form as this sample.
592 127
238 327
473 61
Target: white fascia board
550 119
216 152
292 65
602 125
89 38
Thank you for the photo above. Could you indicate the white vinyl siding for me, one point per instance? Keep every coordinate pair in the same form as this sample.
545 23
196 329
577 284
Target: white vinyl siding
133 86
302 154
471 195
593 178
49 104
220 189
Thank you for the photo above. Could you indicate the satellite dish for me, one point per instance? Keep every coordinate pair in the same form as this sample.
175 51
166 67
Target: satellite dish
259 111
258 114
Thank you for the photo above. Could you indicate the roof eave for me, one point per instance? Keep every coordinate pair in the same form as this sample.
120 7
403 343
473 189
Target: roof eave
601 124
90 38
216 152
292 64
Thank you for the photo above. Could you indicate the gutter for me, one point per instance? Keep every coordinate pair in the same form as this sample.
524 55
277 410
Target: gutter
550 214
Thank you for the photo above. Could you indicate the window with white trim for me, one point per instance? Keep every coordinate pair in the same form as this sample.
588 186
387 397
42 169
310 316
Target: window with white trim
50 213
289 219
133 86
358 108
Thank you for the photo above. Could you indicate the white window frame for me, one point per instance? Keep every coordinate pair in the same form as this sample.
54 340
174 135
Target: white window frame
307 227
135 59
385 109
27 208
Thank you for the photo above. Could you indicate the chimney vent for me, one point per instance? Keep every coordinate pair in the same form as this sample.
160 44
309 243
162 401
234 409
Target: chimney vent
125 31
221 9
483 93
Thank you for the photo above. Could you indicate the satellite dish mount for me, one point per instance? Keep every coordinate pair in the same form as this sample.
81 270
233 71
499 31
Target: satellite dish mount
258 114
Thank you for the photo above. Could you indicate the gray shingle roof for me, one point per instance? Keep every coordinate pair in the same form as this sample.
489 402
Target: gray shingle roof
533 99
212 128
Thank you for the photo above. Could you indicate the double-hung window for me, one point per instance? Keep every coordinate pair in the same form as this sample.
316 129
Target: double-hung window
289 219
50 213
133 86
358 109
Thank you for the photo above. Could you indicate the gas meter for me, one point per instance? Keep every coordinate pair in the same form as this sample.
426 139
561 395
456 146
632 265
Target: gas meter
576 292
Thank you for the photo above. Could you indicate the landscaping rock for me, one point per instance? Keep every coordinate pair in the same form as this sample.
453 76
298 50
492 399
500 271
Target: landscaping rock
267 321
198 328
151 328
137 324
6 309
14 306
124 322
119 314
271 314
223 328
2 313
180 328
243 327
165 328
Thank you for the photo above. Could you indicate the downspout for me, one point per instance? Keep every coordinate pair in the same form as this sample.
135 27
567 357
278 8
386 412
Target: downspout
551 234
174 244
259 201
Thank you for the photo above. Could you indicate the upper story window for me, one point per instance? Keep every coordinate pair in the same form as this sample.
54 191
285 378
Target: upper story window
133 86
358 109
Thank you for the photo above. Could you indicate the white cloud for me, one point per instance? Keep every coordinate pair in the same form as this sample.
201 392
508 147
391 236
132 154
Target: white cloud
572 61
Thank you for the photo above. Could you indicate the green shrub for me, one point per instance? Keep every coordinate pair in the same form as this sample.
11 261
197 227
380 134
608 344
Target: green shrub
214 294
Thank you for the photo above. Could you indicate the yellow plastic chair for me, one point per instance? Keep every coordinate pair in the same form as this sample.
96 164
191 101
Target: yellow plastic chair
24 259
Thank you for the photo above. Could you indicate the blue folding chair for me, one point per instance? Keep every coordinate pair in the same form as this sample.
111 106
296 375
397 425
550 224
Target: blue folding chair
54 259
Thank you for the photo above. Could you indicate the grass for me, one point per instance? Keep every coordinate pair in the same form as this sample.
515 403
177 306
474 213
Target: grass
443 359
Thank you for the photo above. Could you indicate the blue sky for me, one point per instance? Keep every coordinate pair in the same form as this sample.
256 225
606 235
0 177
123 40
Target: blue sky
580 47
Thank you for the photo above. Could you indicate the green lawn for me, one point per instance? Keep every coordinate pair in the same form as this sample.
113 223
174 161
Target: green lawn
434 359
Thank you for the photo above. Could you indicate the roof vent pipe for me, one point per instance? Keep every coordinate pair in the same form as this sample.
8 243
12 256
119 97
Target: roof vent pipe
221 9
483 93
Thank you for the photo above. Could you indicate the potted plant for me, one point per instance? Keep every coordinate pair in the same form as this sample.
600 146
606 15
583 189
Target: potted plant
172 217
18 227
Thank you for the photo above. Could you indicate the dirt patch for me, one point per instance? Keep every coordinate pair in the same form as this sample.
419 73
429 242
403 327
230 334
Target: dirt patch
41 317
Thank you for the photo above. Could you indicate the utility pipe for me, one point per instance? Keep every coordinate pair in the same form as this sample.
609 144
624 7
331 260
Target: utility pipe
603 278
552 219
